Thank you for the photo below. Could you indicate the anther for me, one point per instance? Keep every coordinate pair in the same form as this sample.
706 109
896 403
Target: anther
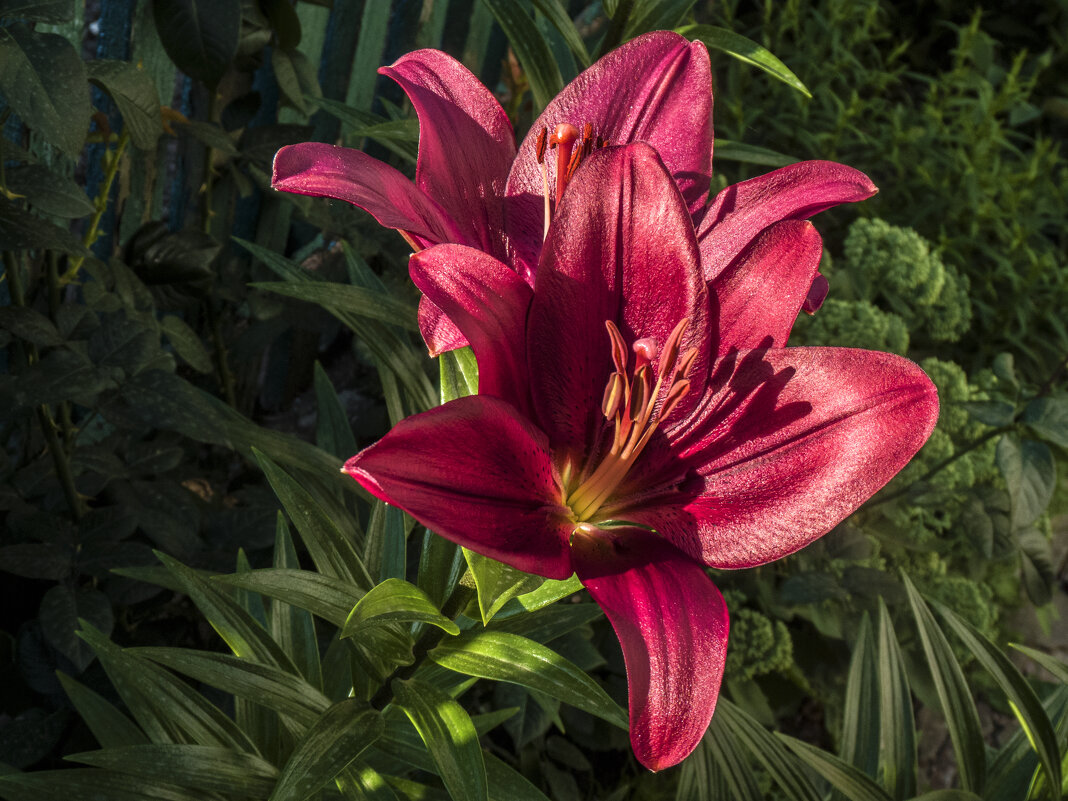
686 363
671 350
613 395
619 347
539 145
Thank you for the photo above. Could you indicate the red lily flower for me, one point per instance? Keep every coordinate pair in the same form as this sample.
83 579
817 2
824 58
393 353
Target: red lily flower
472 187
704 443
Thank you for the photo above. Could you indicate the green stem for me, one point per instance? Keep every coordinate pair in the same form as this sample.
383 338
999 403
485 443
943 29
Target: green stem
209 158
66 424
971 446
61 463
455 604
101 204
222 361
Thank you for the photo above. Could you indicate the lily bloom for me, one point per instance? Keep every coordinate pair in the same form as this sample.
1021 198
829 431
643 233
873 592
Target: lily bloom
635 423
473 187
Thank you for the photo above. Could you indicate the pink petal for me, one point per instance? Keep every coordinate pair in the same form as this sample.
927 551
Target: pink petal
466 144
320 170
762 291
657 88
488 302
439 332
672 623
787 444
478 473
740 212
622 249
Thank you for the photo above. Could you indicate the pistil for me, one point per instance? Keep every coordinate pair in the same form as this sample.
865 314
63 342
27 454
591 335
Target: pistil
635 408
571 148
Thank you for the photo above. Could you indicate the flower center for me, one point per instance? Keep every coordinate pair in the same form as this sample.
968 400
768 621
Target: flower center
635 402
571 148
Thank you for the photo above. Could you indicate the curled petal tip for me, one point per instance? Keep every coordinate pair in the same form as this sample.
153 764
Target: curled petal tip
817 293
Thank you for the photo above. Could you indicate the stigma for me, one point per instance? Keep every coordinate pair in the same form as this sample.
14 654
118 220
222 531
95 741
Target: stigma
636 399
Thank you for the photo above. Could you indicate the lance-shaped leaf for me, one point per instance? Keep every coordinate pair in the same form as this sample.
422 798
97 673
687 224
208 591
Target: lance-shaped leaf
861 717
196 767
897 726
497 583
338 737
395 601
1022 698
530 48
110 727
850 781
745 50
89 784
324 596
508 657
953 694
449 735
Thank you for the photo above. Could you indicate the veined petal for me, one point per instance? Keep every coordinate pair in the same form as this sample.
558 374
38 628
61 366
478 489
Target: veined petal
797 192
488 302
787 443
478 473
657 88
762 291
320 170
439 332
672 624
466 143
621 248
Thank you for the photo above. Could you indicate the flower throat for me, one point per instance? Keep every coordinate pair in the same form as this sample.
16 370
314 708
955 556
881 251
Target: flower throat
635 405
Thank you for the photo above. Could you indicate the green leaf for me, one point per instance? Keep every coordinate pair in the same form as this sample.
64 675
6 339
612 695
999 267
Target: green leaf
332 430
394 601
897 725
285 74
89 784
845 778
332 553
186 343
20 230
656 15
1048 418
200 36
503 656
745 50
1058 668
271 687
324 596
449 735
551 591
439 567
459 374
196 767
718 759
340 735
109 726
530 48
50 11
30 325
948 795
1022 698
780 765
953 694
347 299
292 627
49 192
549 623
557 14
726 150
43 79
61 609
165 707
497 583
860 719
240 630
992 413
1030 476
135 95
386 551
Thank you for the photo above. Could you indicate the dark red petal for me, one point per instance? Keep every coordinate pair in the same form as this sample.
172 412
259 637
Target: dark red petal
622 249
320 170
478 473
672 624
439 332
466 144
817 293
763 290
740 212
787 443
657 88
488 303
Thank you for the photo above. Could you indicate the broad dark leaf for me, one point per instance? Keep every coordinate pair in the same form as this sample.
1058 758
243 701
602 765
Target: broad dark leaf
20 230
134 92
1030 476
200 36
49 192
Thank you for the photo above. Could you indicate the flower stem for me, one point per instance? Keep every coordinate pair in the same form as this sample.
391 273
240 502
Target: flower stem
101 203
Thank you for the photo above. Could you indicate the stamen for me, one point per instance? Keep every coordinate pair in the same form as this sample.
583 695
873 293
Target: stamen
539 151
686 364
619 347
539 145
671 349
408 238
613 395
